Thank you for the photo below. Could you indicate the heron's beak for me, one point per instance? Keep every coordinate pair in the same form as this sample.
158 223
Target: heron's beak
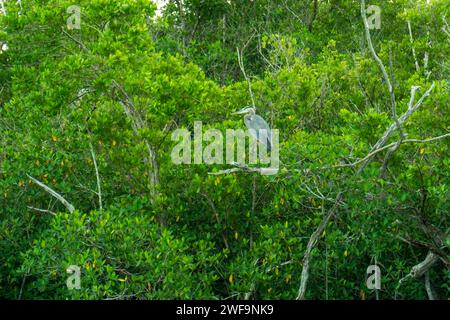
243 111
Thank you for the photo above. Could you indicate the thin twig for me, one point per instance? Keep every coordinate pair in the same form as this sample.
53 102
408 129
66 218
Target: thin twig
241 66
82 46
42 210
23 280
217 216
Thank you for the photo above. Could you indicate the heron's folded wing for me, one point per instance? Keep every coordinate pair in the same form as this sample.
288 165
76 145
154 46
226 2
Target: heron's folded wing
260 130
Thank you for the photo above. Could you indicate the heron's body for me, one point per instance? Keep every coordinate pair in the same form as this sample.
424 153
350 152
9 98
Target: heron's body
259 129
257 126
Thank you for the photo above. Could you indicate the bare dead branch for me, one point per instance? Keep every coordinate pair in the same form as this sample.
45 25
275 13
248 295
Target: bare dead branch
99 192
2 7
394 126
387 81
375 56
55 194
421 268
446 27
243 168
311 244
137 123
412 46
248 294
371 154
429 287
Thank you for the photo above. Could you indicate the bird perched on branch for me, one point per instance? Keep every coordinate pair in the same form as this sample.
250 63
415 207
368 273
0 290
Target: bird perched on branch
257 126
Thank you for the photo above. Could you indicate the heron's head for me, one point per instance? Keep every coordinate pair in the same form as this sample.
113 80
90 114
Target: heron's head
245 110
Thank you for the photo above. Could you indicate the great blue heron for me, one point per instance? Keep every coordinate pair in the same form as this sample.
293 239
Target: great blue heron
257 126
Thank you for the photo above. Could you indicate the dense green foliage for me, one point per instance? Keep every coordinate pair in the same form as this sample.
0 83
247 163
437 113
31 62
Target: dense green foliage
164 231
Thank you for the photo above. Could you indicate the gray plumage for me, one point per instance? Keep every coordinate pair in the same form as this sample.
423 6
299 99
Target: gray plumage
257 126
